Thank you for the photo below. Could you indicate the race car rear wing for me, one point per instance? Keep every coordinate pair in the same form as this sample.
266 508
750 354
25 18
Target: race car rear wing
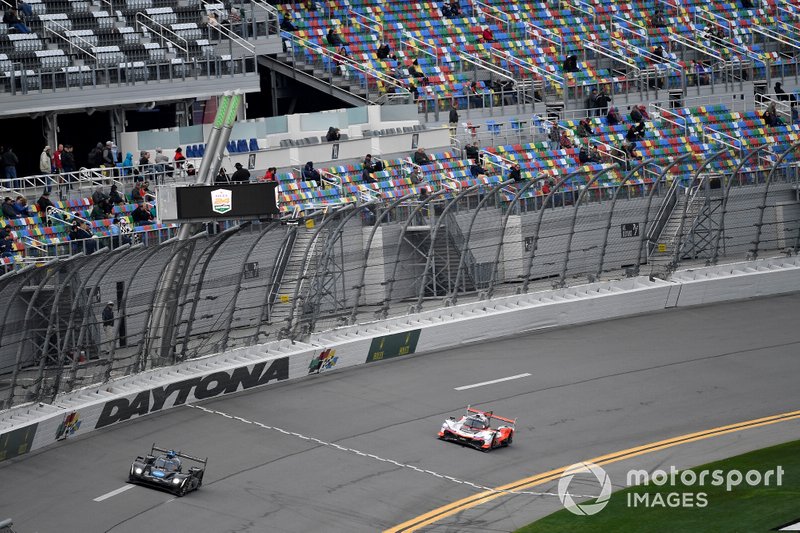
179 454
490 415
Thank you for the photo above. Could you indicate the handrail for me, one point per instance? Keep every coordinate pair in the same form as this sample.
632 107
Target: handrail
793 14
68 40
412 44
611 151
546 34
375 74
530 67
272 15
584 8
697 46
662 111
353 12
63 216
330 179
486 65
646 54
483 7
161 29
611 54
233 37
776 36
642 34
654 230
731 142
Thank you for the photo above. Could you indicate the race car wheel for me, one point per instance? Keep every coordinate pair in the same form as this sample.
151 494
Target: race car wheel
181 491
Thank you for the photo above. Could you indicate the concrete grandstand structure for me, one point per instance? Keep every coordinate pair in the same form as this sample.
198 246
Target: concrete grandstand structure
706 181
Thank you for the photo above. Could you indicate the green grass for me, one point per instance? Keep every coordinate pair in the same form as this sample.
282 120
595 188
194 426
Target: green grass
744 509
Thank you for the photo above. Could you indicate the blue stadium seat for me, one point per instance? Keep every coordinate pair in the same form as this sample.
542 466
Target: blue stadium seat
253 145
241 145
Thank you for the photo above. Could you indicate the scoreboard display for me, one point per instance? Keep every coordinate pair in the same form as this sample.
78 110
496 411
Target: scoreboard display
204 203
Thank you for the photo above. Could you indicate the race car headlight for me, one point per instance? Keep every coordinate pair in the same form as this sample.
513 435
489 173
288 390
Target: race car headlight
176 481
138 470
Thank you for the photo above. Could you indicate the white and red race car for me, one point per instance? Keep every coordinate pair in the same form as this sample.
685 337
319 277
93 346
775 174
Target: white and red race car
475 429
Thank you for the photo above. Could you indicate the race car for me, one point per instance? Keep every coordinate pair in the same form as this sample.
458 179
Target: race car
165 471
474 429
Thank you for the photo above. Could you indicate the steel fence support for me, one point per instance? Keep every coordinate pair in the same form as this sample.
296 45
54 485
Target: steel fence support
535 243
452 298
212 250
763 206
288 330
337 235
384 312
417 307
725 196
52 271
661 178
240 276
511 206
628 175
26 274
264 316
708 161
563 278
359 288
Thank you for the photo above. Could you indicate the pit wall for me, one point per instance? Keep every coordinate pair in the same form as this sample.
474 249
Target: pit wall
31 427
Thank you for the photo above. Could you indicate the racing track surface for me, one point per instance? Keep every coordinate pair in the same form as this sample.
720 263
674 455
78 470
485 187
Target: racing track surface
593 389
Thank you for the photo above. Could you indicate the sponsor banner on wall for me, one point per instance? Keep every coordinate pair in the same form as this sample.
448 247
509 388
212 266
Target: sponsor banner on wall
17 442
193 389
70 424
325 360
394 345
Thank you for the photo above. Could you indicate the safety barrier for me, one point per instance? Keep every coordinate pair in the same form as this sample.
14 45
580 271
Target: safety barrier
33 426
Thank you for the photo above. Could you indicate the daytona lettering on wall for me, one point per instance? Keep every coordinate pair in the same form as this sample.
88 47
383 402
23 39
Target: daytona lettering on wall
201 388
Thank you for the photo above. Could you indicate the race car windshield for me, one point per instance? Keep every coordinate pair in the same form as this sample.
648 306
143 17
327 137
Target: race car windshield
169 465
475 423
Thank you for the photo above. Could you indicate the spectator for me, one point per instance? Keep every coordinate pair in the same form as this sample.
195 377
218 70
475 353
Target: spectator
42 204
585 129
423 194
117 238
472 151
333 38
515 173
333 134
141 215
414 174
591 104
213 21
13 20
25 8
613 117
420 157
310 6
95 157
583 155
412 88
144 160
107 155
137 193
56 163
312 174
7 245
477 171
555 137
384 52
487 35
475 96
771 117
340 59
8 208
795 114
240 175
162 168
635 132
601 101
374 165
781 95
270 175
639 114
453 118
286 24
571 63
10 162
21 207
415 71
179 158
108 327
564 141
366 174
658 20
68 164
455 8
594 155
46 167
99 210
86 243
190 170
446 9
222 176
98 195
127 164
114 197
658 54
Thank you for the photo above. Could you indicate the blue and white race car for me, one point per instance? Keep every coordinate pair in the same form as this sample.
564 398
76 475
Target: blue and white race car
166 472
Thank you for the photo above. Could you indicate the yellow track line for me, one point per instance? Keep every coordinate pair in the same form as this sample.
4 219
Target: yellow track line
483 497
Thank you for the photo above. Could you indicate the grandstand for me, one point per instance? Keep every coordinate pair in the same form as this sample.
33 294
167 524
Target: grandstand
707 179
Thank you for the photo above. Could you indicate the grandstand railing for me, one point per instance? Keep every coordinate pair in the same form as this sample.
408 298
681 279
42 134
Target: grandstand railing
371 24
149 25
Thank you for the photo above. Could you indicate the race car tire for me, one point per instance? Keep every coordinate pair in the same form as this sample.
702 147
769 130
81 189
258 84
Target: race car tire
181 491
510 439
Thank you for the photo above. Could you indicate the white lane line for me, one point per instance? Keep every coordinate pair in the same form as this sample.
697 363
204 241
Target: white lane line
509 378
113 493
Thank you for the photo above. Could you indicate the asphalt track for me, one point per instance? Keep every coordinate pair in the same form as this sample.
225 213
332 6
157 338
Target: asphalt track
592 390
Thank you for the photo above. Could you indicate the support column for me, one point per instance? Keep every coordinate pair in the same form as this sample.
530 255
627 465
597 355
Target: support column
117 123
274 91
51 130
